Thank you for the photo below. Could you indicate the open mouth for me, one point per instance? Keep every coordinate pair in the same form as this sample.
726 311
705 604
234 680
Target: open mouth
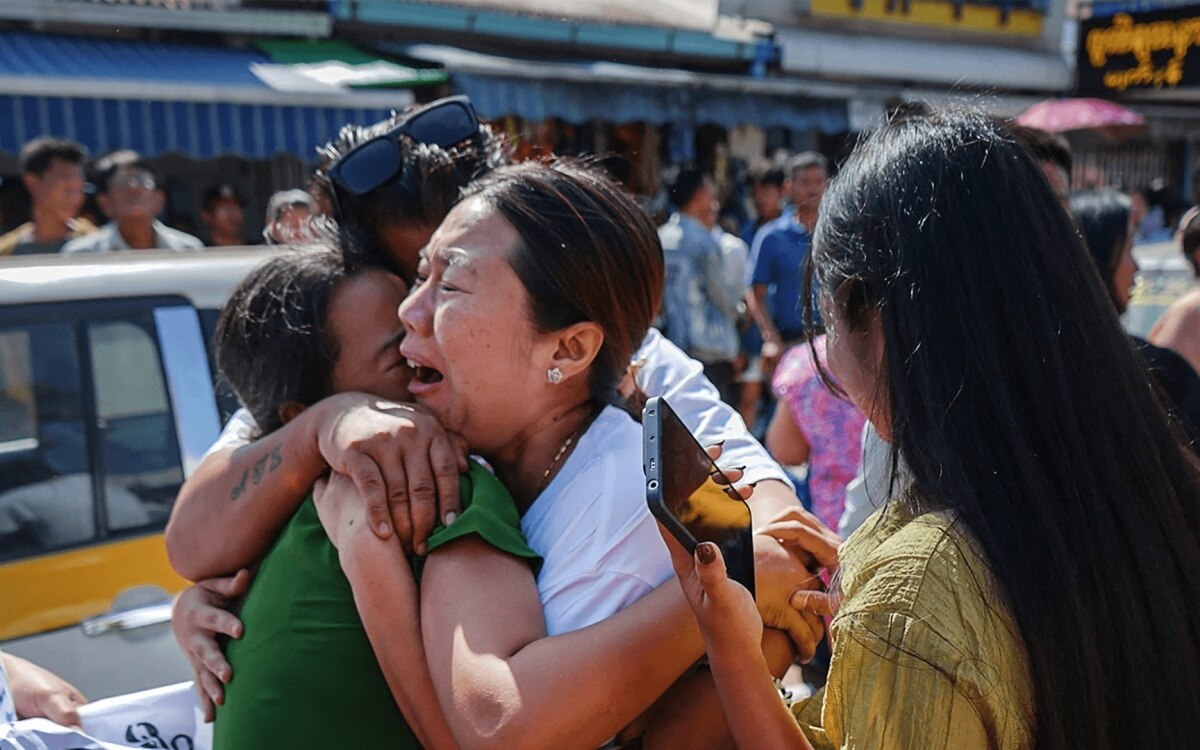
423 374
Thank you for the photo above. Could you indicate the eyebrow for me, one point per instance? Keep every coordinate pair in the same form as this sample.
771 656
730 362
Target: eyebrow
449 256
393 342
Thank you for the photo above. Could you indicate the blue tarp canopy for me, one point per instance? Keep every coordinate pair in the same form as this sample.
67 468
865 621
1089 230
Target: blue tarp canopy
581 91
155 98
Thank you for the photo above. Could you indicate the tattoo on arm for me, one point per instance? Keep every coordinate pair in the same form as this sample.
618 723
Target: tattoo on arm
240 488
259 466
262 467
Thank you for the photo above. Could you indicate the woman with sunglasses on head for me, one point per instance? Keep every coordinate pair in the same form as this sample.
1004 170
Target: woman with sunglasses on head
400 456
1036 584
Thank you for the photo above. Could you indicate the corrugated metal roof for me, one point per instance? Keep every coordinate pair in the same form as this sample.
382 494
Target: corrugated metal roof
159 97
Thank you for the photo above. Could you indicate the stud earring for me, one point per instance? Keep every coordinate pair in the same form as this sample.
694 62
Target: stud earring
554 375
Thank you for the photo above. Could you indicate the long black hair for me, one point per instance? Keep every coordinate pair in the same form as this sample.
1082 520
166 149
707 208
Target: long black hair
1017 401
1103 219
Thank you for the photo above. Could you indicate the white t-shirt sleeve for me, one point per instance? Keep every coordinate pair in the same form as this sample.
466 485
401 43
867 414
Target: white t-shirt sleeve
667 372
239 431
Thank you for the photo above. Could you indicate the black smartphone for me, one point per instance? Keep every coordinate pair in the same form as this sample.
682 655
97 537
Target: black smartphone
683 494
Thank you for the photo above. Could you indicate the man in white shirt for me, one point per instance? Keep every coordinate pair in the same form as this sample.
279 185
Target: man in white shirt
131 197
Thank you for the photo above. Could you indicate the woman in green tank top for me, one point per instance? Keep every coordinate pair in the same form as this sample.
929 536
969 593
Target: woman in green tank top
297 329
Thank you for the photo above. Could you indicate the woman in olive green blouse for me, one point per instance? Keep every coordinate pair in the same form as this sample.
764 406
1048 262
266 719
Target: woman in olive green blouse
1036 583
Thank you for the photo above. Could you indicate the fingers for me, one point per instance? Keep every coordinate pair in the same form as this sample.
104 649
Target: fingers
207 709
800 529
213 661
820 603
398 511
732 475
806 630
369 480
715 450
218 621
61 707
710 569
228 587
462 451
211 691
448 460
421 503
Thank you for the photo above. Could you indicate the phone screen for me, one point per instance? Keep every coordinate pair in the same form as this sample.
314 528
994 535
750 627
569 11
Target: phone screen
712 512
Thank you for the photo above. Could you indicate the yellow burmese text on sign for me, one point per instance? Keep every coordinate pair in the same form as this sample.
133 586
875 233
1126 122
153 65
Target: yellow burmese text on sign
1125 37
944 15
62 588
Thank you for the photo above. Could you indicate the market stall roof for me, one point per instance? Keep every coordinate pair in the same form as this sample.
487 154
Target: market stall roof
892 59
596 24
157 97
700 15
581 91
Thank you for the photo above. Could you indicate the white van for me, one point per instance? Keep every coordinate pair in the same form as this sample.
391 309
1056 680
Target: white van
107 402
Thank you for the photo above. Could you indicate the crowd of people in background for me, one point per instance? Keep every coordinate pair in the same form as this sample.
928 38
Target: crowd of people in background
733 289
116 203
732 296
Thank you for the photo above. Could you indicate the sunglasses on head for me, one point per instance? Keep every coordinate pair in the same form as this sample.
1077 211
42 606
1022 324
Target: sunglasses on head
446 122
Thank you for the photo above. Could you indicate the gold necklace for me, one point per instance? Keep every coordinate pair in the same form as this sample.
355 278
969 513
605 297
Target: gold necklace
561 450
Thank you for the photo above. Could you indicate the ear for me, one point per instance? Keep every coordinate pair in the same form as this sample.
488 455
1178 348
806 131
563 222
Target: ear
32 182
103 202
575 347
290 410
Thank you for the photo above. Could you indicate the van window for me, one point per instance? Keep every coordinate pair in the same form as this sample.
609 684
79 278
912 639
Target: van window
88 446
138 445
46 489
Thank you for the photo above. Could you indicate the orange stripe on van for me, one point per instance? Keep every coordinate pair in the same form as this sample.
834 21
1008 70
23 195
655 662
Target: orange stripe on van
60 589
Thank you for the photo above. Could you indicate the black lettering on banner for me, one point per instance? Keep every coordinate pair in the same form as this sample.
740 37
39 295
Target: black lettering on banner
147 735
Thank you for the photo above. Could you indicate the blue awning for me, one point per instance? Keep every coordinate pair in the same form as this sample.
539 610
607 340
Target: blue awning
155 98
198 129
498 96
581 91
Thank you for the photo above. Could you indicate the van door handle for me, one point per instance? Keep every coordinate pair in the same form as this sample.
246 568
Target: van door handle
127 619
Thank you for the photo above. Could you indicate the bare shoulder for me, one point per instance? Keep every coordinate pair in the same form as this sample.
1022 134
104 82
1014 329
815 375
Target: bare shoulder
1179 318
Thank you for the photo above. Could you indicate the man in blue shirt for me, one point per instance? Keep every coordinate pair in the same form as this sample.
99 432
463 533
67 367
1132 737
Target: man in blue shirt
700 301
777 259
766 181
